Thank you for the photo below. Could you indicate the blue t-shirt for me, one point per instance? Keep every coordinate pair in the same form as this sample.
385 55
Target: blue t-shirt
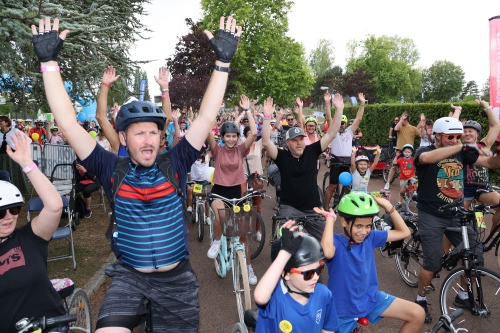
171 131
353 275
317 315
151 228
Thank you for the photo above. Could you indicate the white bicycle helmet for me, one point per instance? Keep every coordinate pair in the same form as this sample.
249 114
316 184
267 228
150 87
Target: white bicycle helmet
362 158
10 196
448 125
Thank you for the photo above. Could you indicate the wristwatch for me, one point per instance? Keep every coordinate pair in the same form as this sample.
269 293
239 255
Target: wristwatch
164 90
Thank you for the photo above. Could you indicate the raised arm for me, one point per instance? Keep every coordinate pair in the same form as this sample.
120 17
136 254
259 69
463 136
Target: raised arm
245 104
47 46
162 80
271 148
334 127
457 111
301 121
361 111
494 129
45 224
327 240
224 47
400 231
421 126
108 78
353 159
177 130
401 120
377 158
328 112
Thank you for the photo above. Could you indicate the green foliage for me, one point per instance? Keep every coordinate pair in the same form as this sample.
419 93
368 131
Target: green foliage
137 77
469 90
332 79
391 61
268 63
321 58
442 81
101 33
485 92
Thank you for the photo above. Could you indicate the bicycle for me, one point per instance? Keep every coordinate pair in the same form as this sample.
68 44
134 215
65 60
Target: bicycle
198 204
236 222
26 325
340 189
392 155
482 284
410 196
279 220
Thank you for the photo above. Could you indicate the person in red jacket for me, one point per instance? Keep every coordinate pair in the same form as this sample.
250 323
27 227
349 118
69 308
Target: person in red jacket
39 130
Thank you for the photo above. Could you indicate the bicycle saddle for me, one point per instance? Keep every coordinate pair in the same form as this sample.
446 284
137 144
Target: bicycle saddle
251 318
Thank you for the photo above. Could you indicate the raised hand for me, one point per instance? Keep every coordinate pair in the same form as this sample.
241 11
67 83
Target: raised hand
379 150
338 101
323 212
484 104
163 77
268 106
109 76
46 42
225 45
327 97
456 107
300 103
244 102
22 155
361 98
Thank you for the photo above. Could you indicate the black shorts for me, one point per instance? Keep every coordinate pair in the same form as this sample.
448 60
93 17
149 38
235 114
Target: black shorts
335 172
229 192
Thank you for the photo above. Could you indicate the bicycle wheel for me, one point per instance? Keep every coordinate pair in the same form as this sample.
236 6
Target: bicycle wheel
241 284
409 259
326 181
387 169
411 206
200 220
486 290
337 195
256 245
240 328
321 197
79 305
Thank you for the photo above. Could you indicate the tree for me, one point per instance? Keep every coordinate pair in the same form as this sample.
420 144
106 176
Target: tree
470 89
391 61
138 76
485 92
321 58
358 81
101 33
332 79
442 81
268 63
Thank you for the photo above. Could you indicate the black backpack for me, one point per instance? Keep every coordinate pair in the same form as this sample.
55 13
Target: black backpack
121 171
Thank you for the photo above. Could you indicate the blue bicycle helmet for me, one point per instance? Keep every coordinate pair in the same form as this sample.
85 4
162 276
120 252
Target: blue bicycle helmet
408 146
137 111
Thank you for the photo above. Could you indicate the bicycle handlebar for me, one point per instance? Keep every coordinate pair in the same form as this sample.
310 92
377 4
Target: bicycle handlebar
446 320
297 217
44 323
246 196
451 205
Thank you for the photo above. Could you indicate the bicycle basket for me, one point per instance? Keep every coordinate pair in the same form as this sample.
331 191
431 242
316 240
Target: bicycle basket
238 224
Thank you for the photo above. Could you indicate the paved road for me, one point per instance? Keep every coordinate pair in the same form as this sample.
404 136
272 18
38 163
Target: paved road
218 303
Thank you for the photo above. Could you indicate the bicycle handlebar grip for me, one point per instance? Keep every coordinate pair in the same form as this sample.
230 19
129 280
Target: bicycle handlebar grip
455 314
59 320
451 204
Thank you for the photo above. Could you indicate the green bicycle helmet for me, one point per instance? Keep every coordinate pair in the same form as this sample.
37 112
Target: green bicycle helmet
358 204
311 120
344 119
54 128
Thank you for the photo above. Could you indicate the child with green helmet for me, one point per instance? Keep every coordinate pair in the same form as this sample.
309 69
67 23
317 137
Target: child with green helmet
288 297
352 253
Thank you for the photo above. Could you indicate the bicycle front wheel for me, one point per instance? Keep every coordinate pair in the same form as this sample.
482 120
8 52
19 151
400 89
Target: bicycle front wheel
79 305
200 220
240 328
241 284
486 290
256 241
409 259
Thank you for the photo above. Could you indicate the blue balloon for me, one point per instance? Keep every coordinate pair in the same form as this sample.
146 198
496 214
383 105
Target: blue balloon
82 117
345 178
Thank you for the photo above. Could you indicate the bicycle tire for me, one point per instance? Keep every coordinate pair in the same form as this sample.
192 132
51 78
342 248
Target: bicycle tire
487 283
255 246
240 328
411 207
326 181
241 284
200 221
79 304
387 169
409 259
337 195
321 196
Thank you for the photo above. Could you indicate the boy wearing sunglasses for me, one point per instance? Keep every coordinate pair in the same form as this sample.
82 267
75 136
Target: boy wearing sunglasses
351 263
288 296
440 167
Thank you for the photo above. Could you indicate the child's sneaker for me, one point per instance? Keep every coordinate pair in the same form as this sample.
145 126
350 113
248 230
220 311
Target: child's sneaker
423 303
252 279
387 186
88 213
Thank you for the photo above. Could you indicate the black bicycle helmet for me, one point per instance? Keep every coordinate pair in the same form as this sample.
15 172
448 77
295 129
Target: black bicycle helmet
229 127
473 124
309 252
137 111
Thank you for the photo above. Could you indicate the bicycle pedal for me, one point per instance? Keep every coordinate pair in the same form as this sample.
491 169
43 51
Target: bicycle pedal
437 276
427 289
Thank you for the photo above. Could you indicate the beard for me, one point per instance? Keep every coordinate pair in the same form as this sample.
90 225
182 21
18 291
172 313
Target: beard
296 153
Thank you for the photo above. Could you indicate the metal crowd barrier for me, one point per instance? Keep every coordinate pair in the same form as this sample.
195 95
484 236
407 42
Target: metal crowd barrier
49 155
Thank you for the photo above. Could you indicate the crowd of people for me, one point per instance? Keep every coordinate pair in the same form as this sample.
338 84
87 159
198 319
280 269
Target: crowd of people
144 155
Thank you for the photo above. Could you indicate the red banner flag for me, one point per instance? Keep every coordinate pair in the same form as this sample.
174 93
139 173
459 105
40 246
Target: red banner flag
495 64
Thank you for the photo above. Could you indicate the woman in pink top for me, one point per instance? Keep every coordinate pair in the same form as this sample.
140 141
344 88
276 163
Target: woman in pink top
229 173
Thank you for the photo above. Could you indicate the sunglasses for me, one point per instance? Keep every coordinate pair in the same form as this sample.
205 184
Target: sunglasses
453 136
342 123
309 274
289 119
13 211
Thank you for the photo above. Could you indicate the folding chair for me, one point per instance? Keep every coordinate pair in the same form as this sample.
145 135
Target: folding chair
63 179
66 232
101 201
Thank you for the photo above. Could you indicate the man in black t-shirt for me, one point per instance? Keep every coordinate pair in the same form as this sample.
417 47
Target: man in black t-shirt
297 165
440 171
393 135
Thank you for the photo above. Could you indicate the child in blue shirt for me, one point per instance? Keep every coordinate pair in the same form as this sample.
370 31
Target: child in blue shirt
288 296
351 256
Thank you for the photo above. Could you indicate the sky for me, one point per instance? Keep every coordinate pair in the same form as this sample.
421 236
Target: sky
456 31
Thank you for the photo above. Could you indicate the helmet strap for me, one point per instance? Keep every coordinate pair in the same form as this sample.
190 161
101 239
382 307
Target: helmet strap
302 293
349 235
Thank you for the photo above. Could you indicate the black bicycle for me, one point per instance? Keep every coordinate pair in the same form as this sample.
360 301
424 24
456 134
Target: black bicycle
482 285
300 220
43 324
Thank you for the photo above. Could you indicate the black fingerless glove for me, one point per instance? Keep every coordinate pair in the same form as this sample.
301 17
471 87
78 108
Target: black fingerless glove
470 148
225 45
47 46
289 242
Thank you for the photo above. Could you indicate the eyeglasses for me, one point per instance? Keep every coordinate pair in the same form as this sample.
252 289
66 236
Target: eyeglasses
289 119
342 123
453 136
39 124
245 121
13 210
309 274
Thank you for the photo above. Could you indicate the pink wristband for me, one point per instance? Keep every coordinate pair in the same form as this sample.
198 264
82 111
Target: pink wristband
106 84
165 95
49 69
331 214
267 117
175 120
30 167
